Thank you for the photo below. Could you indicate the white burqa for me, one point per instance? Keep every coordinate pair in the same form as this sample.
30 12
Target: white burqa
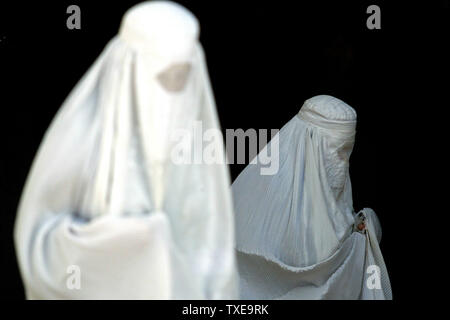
295 229
106 213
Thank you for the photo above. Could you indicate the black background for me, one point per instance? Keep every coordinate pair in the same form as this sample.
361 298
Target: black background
264 60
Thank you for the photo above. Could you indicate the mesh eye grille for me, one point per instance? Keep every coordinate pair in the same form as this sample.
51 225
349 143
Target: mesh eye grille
344 151
174 78
336 159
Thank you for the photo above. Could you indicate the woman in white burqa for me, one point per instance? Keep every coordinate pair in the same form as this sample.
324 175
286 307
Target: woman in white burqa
297 234
107 212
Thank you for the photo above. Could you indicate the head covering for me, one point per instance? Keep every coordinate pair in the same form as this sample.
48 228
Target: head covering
104 193
294 229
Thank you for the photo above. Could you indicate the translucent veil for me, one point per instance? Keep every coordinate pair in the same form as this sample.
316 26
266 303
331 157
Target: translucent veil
104 196
295 229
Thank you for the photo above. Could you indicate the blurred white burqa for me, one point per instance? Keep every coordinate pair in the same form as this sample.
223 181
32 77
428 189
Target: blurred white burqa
105 212
295 229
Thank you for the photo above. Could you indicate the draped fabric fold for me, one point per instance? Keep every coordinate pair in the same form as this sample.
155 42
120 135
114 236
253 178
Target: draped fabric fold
295 234
104 200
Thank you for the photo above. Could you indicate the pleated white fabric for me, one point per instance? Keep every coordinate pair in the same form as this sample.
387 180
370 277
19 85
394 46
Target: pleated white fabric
295 229
105 198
